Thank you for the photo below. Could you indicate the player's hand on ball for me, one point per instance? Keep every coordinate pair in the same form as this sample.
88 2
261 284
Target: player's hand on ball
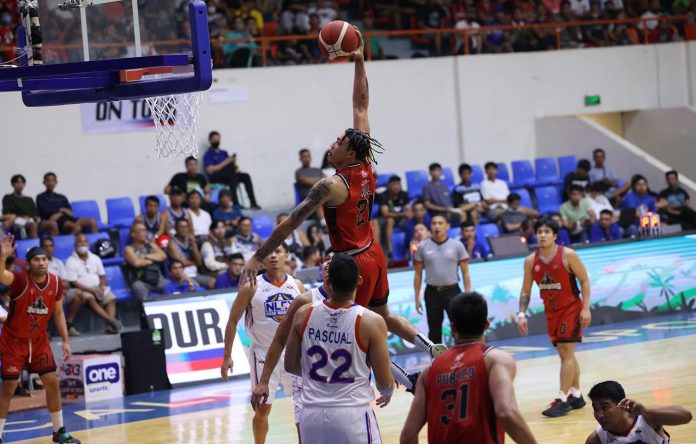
259 395
226 368
585 317
67 351
633 408
522 325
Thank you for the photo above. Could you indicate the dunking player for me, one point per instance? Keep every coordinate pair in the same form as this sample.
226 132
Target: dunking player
467 395
266 303
347 198
335 345
556 270
35 296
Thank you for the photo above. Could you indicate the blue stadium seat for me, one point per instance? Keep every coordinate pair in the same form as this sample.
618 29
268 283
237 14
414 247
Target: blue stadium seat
25 245
447 177
124 239
120 211
476 174
548 199
525 198
117 282
162 199
263 225
399 245
215 195
89 209
566 165
522 173
483 232
93 237
454 233
375 211
503 173
65 245
546 171
415 181
298 198
383 179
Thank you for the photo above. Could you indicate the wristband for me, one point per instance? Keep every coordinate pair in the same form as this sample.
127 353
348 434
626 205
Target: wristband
522 315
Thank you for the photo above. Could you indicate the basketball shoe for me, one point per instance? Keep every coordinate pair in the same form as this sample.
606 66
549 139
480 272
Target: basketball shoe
557 408
63 437
576 403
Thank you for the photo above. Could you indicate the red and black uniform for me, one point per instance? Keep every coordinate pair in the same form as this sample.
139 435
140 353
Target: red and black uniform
24 339
561 295
459 404
350 232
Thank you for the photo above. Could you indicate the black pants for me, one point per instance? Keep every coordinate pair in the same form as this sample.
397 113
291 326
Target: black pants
232 177
436 303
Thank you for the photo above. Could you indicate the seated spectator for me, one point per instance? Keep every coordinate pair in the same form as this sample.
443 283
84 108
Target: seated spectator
596 35
437 197
375 46
246 241
467 196
230 278
55 265
579 177
306 176
222 168
494 192
639 197
577 214
56 208
419 215
297 240
663 33
19 213
598 201
527 232
175 211
180 282
248 10
144 258
228 213
571 37
468 238
200 218
190 180
394 210
674 203
325 10
87 277
311 51
563 233
216 248
315 236
431 15
420 233
182 247
311 257
605 229
512 218
604 176
151 218
326 168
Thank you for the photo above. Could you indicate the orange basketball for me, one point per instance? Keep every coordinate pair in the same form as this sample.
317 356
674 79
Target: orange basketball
338 39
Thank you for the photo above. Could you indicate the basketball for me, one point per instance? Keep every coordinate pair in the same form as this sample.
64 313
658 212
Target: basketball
338 39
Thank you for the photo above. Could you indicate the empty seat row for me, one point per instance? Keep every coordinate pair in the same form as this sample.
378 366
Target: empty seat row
120 211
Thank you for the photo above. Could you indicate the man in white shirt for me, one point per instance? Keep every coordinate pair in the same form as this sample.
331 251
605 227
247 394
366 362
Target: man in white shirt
494 191
200 218
85 272
598 201
55 265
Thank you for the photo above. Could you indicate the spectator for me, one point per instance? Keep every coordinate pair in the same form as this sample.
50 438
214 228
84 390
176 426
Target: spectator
436 195
306 176
394 210
175 211
326 168
310 49
230 278
577 214
215 248
596 35
190 180
604 176
315 236
650 16
579 8
86 274
467 196
297 240
236 53
663 33
311 257
222 168
618 33
19 212
579 177
605 229
674 203
419 216
325 12
200 218
246 241
420 233
143 258
152 219
248 9
56 208
228 213
527 232
294 18
467 20
512 218
183 247
431 15
571 37
373 44
494 192
598 201
180 282
563 233
546 35
55 265
639 196
473 247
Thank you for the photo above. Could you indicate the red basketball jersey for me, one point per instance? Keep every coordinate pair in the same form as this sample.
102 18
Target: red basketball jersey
459 404
557 285
31 305
349 223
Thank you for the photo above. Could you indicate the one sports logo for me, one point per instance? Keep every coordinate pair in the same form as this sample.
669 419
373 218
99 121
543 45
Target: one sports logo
276 306
103 373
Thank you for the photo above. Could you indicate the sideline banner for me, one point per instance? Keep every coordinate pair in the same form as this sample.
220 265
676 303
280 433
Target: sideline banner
116 117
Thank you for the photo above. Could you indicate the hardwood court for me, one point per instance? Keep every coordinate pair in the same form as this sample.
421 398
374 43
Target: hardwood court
654 372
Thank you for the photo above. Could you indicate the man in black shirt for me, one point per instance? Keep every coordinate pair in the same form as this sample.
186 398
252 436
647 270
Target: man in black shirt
56 208
580 177
191 180
19 212
467 196
394 209
674 203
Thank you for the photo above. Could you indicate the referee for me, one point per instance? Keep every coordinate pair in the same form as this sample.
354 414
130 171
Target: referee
441 257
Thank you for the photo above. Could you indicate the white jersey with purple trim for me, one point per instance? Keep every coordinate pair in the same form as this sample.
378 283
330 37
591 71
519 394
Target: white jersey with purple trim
640 433
318 295
268 307
335 372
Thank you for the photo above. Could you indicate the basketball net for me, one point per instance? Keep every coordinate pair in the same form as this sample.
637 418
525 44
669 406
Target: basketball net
176 123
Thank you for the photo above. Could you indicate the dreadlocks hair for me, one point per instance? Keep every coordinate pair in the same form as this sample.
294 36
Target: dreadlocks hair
365 147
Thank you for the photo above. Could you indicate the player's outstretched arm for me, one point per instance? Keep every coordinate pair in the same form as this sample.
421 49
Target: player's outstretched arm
373 338
361 92
293 349
501 373
525 295
7 247
657 416
578 269
417 416
240 304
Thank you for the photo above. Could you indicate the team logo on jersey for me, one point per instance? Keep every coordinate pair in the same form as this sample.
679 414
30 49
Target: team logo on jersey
537 268
549 284
38 307
333 319
276 306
